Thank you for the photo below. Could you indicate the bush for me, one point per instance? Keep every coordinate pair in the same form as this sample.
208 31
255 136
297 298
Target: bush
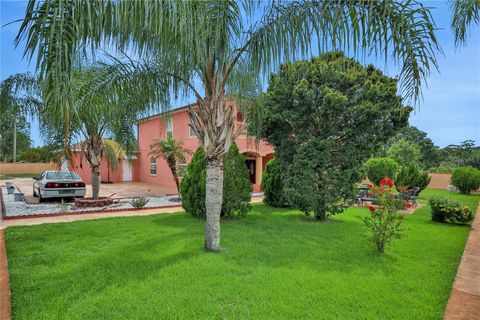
193 185
379 168
272 186
447 210
385 220
237 188
466 179
139 202
411 176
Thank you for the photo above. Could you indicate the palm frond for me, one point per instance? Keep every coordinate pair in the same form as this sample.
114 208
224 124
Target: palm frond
465 13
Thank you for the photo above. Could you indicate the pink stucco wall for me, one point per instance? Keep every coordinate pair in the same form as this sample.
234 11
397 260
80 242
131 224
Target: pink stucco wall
154 128
85 171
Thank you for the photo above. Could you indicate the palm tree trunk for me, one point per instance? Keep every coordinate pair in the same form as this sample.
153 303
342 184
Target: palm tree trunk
213 203
173 169
95 181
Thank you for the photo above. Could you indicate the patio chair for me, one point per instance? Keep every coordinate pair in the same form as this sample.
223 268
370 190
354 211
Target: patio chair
411 195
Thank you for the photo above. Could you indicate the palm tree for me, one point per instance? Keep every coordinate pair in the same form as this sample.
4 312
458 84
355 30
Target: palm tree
465 13
224 45
18 98
173 152
99 113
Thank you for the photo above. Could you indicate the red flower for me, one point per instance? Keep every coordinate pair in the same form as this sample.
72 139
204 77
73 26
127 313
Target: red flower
409 205
392 195
371 208
402 188
387 181
374 190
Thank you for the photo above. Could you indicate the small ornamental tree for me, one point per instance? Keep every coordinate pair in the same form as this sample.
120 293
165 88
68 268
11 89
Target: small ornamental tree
466 179
378 168
237 188
384 220
325 117
272 186
410 176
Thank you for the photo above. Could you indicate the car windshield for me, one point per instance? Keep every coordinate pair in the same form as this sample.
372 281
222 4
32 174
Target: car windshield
62 175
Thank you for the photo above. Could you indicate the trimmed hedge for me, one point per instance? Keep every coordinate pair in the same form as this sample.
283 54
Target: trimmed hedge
466 179
379 168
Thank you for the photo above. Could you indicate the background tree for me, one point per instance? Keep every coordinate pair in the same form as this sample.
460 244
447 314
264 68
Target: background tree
45 153
430 156
18 98
173 152
325 117
404 152
272 185
378 168
234 42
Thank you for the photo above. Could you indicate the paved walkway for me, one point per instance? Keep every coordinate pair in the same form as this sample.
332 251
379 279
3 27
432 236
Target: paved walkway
464 302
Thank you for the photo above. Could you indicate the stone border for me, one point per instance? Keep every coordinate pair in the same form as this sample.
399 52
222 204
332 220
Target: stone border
5 306
464 301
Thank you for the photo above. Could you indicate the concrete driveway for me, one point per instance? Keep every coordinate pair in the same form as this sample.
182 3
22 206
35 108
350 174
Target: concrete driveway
120 189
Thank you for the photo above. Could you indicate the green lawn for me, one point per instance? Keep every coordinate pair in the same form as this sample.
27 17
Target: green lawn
276 264
18 175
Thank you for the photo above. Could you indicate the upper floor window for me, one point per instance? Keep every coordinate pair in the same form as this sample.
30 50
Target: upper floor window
153 166
169 127
192 131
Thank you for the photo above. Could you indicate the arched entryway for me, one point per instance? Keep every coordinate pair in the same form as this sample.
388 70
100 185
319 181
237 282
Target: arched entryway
256 164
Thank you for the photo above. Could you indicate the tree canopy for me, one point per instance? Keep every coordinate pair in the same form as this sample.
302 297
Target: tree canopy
325 117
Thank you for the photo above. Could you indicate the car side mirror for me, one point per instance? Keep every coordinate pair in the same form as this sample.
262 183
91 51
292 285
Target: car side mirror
36 178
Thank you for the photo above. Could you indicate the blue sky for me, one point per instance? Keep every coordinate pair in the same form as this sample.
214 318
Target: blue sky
449 112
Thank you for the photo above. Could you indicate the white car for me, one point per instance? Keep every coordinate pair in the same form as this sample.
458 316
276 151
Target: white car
58 184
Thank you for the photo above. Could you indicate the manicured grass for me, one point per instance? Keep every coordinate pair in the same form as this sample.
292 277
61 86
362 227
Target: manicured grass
18 175
276 264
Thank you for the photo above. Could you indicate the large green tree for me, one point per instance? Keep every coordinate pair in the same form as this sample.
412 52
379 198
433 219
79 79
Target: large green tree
404 152
325 117
224 46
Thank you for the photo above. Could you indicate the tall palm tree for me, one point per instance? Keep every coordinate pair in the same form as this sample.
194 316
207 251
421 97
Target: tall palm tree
19 97
173 152
223 45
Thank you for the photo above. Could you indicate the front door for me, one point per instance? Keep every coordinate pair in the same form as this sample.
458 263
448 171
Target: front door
251 169
127 170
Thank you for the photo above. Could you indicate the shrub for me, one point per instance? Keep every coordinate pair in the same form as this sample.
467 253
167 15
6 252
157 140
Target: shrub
385 220
447 210
272 186
466 179
378 168
193 185
237 188
411 176
139 202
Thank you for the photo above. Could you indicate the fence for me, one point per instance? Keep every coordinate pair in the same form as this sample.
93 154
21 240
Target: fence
21 168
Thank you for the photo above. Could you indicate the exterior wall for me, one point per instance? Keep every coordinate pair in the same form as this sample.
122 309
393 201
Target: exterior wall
20 168
86 172
154 128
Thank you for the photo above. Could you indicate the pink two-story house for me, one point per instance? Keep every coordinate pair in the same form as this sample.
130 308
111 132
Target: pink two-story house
147 169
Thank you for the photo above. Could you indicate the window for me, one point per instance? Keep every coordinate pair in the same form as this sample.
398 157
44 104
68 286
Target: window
182 168
153 166
193 133
169 128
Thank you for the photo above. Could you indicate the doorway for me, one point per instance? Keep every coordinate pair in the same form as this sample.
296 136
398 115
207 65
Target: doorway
251 166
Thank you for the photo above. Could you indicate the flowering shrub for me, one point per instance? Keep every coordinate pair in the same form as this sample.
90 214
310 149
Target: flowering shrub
385 220
451 211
